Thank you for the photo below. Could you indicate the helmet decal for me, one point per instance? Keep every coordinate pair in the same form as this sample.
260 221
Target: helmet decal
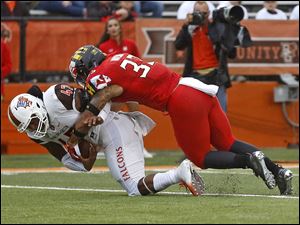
23 102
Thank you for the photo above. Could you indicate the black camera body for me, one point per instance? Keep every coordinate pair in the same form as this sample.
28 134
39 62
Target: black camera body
196 18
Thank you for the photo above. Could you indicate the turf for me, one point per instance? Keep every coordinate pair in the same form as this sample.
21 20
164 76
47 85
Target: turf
37 206
19 205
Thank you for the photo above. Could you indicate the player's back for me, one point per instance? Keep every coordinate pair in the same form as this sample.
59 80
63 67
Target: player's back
58 100
148 83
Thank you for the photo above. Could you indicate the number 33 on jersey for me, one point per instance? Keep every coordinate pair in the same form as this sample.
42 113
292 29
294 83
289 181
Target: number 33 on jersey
150 84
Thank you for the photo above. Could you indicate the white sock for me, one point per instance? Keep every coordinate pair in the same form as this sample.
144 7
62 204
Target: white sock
163 180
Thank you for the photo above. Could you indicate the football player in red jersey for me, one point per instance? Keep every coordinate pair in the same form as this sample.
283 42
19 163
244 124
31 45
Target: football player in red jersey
113 41
196 115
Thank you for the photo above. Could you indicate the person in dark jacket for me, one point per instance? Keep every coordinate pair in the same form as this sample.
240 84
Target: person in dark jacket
206 60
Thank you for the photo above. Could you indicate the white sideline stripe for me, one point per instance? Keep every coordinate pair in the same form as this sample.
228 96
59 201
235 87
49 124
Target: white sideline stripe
63 170
164 192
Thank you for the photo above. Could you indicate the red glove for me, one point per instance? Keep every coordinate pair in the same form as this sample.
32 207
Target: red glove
72 153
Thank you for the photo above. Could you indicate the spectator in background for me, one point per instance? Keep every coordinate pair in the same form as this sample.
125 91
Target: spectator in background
112 41
156 8
270 12
101 9
13 8
295 13
234 3
188 7
66 8
6 64
203 56
124 11
129 7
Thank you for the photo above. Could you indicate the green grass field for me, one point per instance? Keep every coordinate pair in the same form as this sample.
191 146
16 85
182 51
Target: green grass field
232 196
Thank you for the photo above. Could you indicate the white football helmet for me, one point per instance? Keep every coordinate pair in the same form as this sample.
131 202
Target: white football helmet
25 107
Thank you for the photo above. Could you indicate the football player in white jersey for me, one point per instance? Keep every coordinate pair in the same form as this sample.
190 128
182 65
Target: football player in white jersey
48 119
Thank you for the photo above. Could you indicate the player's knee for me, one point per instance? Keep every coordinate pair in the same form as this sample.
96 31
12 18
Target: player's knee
225 144
130 186
134 192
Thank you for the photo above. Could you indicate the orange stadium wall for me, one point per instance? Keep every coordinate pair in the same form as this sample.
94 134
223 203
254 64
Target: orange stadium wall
252 112
50 44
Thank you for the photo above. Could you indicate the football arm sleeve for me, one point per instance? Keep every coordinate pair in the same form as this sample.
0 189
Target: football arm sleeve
58 151
72 164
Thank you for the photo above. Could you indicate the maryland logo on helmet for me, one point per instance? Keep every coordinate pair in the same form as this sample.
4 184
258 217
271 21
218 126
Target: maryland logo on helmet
83 61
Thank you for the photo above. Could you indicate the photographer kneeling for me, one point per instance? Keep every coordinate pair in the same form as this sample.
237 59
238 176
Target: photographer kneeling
209 45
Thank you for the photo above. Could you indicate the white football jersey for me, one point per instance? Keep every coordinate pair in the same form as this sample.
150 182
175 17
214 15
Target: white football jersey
59 101
121 136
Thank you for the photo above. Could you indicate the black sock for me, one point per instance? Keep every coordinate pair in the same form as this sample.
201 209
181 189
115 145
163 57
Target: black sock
272 166
225 160
240 147
244 148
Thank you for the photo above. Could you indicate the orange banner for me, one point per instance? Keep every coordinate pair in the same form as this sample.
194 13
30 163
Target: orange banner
50 44
275 47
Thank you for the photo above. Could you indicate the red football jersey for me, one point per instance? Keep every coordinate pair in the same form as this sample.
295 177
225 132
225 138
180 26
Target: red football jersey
148 83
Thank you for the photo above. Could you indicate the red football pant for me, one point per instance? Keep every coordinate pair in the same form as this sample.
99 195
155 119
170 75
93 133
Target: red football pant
198 123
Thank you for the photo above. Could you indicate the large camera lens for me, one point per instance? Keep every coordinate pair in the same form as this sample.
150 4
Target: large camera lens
233 14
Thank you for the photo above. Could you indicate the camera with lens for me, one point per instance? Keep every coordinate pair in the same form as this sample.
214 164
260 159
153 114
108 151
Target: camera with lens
226 29
231 14
196 18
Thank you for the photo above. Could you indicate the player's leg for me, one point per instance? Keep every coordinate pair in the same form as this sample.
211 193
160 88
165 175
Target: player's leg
126 162
123 153
189 109
282 176
184 174
246 154
223 140
240 147
154 182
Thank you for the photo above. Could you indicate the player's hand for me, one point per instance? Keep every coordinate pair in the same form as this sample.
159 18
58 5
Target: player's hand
93 151
73 140
93 121
89 162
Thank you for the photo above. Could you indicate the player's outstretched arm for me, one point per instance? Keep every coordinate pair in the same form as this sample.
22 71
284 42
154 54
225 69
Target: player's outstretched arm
83 163
90 115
